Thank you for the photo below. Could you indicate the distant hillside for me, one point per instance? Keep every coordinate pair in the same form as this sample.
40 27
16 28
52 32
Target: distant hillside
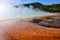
51 8
35 5
48 8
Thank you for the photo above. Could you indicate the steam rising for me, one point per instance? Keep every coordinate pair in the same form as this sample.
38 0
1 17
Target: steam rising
7 11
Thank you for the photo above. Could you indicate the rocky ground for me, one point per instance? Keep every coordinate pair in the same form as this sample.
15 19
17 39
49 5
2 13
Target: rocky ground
48 21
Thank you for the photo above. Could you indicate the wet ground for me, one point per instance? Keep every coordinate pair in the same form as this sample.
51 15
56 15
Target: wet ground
49 21
17 29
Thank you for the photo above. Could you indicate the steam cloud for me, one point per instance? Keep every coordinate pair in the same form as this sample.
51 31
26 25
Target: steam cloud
7 11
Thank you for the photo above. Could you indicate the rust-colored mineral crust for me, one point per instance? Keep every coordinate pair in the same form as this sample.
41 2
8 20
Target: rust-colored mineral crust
24 30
